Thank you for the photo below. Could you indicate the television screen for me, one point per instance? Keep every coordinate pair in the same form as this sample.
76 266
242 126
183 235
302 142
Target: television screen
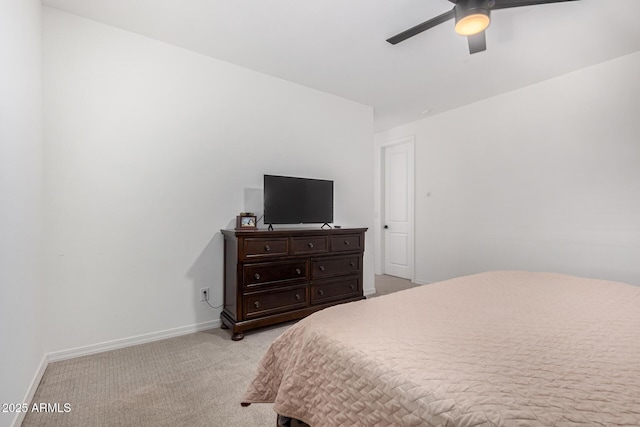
289 200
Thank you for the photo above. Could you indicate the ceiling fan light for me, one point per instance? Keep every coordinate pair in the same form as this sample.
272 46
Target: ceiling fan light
474 23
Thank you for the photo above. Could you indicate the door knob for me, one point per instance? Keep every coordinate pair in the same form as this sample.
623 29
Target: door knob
386 226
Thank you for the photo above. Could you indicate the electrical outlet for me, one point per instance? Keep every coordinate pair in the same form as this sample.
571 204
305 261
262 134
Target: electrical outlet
204 294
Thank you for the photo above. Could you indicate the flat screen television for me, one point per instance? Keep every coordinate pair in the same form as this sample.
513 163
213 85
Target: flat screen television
290 200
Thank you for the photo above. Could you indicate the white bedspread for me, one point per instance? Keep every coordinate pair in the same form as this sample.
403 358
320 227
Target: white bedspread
493 349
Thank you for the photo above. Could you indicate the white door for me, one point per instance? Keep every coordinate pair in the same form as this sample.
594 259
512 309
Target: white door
398 210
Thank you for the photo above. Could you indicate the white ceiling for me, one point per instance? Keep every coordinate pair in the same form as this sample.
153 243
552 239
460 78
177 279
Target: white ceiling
339 47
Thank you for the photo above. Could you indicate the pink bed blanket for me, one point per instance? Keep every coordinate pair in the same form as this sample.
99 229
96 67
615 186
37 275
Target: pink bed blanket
492 349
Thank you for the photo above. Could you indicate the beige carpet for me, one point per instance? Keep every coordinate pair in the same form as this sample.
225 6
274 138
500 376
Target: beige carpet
388 284
192 380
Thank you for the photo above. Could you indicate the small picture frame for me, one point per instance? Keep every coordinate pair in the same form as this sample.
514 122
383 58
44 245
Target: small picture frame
246 221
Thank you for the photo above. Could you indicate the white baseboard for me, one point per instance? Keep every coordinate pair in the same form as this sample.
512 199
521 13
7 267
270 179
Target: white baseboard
368 291
421 282
31 391
56 356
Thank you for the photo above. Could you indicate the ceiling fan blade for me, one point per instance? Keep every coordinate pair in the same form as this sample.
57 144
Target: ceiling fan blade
504 4
422 27
477 43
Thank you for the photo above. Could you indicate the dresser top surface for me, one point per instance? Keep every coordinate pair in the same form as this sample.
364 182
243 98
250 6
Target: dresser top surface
287 232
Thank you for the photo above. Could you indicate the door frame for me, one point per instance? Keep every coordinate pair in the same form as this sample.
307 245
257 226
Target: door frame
379 207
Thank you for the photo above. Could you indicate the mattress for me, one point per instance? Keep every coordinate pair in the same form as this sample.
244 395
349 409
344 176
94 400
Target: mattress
501 348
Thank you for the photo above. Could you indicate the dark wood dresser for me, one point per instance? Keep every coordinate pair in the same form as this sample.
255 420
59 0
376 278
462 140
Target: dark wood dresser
286 274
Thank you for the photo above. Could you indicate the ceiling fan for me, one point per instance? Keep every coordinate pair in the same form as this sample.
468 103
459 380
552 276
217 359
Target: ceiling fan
472 17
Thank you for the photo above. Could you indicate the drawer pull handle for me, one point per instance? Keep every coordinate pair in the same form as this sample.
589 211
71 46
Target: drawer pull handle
352 264
321 268
320 292
352 286
298 297
346 242
310 245
267 248
298 271
257 276
256 304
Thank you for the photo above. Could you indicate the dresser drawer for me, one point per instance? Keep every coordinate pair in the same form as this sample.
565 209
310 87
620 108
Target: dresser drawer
335 289
278 273
265 247
270 302
309 245
346 242
334 266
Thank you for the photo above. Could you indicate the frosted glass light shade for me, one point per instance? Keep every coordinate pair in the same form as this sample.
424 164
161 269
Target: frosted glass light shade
472 24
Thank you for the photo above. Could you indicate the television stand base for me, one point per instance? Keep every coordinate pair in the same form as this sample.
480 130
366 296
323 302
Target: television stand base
327 224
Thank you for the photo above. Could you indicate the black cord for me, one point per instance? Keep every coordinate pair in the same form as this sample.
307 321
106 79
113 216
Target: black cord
218 306
206 296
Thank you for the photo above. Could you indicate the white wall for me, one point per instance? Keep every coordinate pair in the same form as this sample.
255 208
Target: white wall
20 198
149 150
546 178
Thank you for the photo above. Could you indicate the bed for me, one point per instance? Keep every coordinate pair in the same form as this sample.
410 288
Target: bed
503 348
